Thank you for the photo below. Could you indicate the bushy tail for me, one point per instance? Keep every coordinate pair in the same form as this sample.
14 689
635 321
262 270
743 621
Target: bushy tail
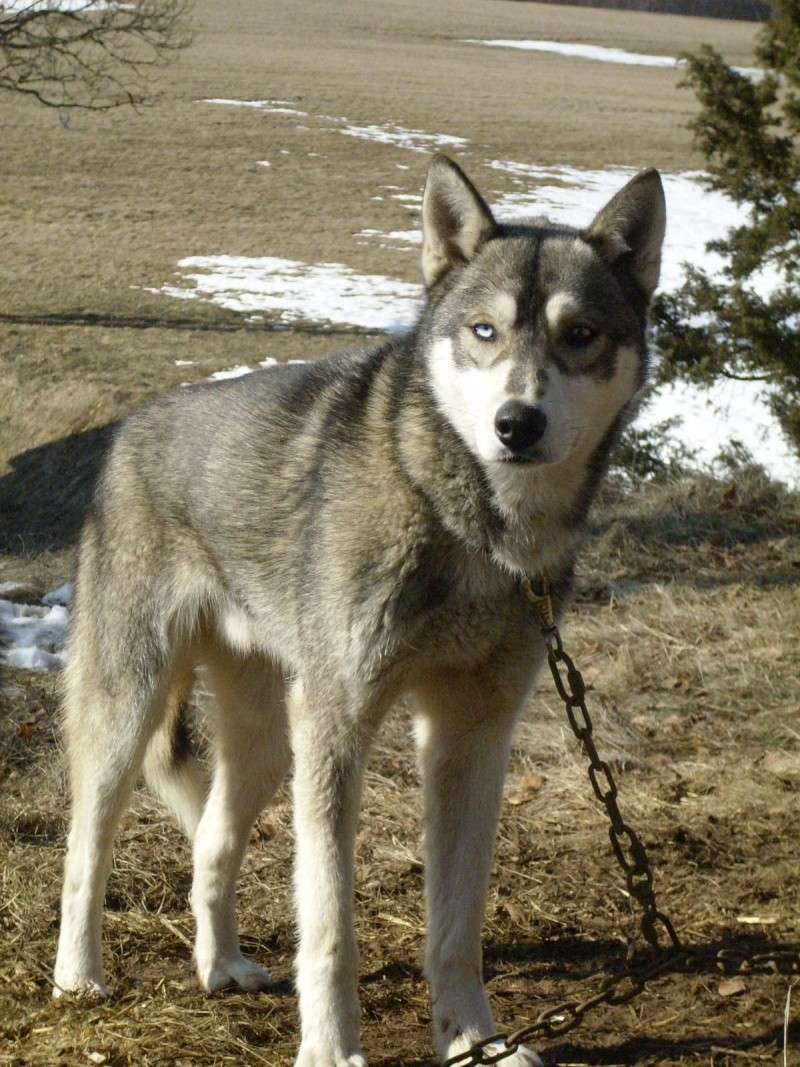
171 768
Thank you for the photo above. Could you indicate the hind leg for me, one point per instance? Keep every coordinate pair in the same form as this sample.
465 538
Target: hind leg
251 759
106 730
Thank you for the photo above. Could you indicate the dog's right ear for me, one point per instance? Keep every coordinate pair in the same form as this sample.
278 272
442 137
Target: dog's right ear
456 220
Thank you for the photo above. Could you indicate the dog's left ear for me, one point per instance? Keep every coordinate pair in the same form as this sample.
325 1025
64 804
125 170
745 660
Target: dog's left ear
632 224
456 220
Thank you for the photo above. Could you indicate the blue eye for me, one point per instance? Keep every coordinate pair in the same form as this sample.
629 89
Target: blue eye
484 331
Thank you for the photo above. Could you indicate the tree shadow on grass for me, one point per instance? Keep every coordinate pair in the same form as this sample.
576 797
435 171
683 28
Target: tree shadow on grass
548 960
45 496
723 1049
699 531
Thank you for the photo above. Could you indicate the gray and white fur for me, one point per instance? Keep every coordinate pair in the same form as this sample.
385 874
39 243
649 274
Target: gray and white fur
324 538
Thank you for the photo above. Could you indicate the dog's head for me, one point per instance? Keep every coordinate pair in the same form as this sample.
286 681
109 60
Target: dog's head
536 333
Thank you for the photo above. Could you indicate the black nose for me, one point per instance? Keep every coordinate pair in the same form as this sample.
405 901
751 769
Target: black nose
519 425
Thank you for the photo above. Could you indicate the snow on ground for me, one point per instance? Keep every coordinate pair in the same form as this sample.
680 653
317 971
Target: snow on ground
32 636
600 54
276 107
415 140
319 292
242 369
711 418
389 133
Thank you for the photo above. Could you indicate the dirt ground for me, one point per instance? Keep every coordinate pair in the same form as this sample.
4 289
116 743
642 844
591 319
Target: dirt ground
687 617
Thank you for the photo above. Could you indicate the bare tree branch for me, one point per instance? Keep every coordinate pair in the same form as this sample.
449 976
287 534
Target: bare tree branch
92 54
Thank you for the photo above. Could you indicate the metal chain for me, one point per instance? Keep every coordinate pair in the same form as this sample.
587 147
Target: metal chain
632 858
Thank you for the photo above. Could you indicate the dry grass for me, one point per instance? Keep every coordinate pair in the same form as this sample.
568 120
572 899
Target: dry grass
694 696
687 617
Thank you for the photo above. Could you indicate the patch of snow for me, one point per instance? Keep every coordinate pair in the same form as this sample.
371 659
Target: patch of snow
184 362
63 595
244 369
710 418
231 372
583 51
320 292
32 636
415 140
407 237
241 370
263 163
601 54
276 107
410 201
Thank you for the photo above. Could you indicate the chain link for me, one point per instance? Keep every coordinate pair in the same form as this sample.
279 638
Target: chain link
655 927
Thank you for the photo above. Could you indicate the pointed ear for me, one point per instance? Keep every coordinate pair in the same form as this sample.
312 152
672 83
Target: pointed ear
632 224
455 219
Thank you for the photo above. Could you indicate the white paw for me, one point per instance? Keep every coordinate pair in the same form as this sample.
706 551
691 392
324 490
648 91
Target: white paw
79 987
523 1057
325 1057
237 971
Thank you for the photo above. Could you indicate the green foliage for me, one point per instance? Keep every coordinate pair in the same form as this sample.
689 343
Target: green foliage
749 131
651 453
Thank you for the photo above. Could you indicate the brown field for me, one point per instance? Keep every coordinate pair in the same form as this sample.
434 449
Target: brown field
687 618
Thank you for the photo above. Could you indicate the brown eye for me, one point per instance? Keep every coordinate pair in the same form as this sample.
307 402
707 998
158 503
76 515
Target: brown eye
580 336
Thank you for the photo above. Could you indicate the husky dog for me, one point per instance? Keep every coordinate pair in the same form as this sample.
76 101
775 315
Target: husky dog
323 538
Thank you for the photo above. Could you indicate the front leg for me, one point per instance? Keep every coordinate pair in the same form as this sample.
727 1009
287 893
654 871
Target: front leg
329 751
464 735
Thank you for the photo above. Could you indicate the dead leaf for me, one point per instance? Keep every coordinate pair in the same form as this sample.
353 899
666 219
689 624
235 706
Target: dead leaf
729 498
525 789
782 764
515 912
732 987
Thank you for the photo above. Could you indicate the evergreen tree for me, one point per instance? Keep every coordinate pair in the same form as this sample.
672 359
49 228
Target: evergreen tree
734 325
